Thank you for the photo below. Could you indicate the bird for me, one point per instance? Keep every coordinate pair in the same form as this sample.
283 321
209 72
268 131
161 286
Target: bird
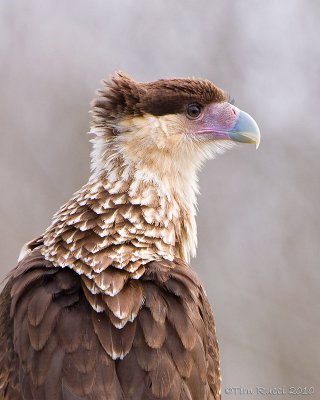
104 304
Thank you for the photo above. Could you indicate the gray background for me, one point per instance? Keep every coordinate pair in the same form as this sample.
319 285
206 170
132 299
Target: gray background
259 223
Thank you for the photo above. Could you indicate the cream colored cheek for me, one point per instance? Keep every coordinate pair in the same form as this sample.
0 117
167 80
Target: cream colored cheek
173 124
174 129
150 132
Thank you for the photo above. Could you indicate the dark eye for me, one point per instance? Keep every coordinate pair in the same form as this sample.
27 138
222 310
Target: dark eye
193 111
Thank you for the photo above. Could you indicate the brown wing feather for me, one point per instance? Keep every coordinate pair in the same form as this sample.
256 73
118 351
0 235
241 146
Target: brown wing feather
190 333
213 368
9 363
59 354
55 346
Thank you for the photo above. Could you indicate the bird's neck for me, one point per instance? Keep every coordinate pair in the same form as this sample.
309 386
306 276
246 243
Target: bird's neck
165 201
128 216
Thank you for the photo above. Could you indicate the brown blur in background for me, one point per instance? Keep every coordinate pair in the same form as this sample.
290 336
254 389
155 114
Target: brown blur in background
259 219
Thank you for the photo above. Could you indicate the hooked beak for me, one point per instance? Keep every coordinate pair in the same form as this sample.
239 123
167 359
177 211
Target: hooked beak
245 130
224 121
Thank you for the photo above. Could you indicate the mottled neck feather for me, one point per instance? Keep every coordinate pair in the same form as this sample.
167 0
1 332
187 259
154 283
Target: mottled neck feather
141 157
125 217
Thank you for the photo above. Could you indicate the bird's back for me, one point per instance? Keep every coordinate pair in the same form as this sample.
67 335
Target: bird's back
56 346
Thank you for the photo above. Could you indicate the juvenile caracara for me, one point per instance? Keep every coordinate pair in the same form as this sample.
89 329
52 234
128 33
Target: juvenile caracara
103 305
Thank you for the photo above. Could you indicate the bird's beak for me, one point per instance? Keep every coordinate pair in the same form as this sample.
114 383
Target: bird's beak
224 121
245 130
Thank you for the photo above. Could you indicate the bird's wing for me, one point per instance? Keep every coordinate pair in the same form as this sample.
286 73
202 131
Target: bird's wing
9 362
190 342
213 360
65 350
60 355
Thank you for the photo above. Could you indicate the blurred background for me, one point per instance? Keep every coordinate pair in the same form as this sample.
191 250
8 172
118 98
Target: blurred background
259 219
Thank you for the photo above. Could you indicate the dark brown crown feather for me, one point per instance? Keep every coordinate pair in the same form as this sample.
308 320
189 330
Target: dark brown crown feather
123 96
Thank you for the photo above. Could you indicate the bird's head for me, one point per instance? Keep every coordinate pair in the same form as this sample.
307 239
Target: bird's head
170 125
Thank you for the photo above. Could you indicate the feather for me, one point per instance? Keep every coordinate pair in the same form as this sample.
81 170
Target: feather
82 359
94 299
21 284
153 331
163 375
52 385
39 334
90 285
199 357
146 356
155 302
39 362
117 322
78 383
21 338
116 343
111 281
131 377
70 322
25 389
38 305
185 392
127 302
107 385
73 235
175 389
67 280
100 261
182 323
181 357
196 386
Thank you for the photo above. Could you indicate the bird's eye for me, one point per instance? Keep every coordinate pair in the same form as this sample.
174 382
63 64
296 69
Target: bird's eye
193 111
